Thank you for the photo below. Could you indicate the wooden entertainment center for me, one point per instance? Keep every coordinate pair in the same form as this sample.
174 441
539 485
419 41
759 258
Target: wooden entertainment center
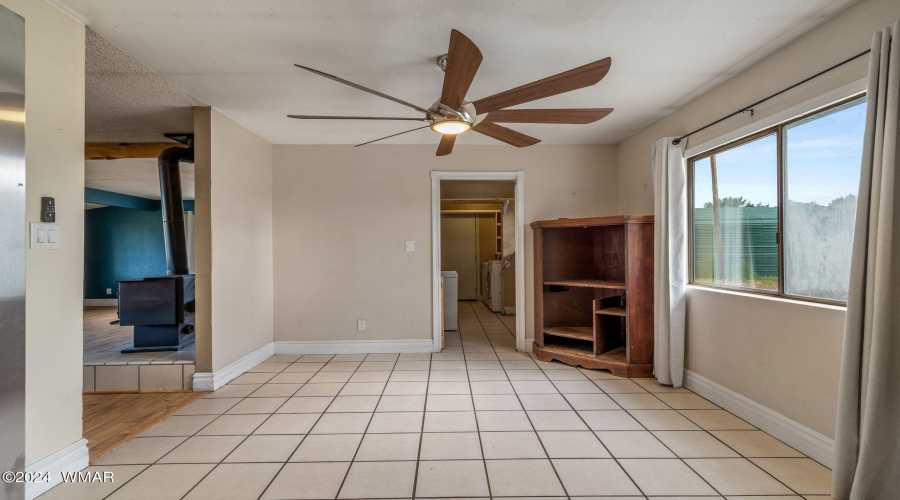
593 293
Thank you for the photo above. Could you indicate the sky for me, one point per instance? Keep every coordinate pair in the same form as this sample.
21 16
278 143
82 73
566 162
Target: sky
822 161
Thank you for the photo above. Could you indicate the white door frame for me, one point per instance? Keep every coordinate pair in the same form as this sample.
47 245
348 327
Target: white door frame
518 177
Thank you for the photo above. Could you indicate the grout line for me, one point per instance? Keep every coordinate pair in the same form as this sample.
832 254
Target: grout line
467 338
368 423
421 426
678 457
272 480
245 398
217 418
487 478
741 455
592 431
534 430
303 439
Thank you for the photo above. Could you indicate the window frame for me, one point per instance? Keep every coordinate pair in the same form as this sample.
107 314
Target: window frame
778 131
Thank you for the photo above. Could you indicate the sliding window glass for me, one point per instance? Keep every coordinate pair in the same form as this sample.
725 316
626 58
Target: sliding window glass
736 216
822 156
774 213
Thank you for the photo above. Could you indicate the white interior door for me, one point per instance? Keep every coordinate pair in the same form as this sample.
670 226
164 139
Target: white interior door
459 251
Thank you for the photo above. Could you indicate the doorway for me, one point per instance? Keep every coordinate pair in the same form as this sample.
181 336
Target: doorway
124 240
477 232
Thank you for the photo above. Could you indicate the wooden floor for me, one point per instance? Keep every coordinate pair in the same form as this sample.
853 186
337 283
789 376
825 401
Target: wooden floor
99 334
112 419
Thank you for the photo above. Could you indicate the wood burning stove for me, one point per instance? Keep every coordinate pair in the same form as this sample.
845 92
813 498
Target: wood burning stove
161 308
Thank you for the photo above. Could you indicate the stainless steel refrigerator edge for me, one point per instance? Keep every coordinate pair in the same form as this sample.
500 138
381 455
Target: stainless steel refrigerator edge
12 250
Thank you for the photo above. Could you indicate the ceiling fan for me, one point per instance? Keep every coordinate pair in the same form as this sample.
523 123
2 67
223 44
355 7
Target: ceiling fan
452 115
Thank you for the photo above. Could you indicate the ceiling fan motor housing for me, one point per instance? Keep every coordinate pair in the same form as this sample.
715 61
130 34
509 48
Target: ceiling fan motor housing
441 113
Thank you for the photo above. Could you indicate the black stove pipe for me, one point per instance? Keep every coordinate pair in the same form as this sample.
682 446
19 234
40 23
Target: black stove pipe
173 207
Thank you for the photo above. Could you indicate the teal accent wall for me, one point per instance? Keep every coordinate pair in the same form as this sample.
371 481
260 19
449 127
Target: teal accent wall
121 243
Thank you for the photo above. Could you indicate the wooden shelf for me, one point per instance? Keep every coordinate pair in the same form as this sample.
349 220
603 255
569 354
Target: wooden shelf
588 283
567 350
585 333
617 355
611 311
617 252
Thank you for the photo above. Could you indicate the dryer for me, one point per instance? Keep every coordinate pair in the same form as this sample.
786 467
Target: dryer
491 285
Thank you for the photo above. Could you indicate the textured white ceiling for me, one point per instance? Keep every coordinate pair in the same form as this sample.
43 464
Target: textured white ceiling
133 176
238 55
126 102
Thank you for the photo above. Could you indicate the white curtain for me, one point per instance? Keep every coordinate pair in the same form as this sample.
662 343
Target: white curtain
670 260
867 457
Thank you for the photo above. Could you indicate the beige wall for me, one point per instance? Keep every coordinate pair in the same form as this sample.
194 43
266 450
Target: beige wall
234 244
343 214
202 239
54 156
487 239
784 355
509 250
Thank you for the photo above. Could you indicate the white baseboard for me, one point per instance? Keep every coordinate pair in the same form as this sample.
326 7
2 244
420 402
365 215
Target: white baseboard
509 311
529 346
206 381
809 442
72 458
353 346
100 302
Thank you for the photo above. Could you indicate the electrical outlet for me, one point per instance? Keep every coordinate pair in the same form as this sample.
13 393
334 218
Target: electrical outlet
361 325
109 291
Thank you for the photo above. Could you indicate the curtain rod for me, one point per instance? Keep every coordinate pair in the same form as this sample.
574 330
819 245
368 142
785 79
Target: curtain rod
751 106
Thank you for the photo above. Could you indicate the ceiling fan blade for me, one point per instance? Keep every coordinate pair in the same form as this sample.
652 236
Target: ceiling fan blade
583 76
392 135
319 117
446 145
570 116
506 135
463 59
364 89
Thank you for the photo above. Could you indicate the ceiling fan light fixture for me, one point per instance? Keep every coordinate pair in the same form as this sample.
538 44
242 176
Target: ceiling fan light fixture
452 115
450 127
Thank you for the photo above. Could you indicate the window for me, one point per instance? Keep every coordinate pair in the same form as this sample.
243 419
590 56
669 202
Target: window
774 213
736 216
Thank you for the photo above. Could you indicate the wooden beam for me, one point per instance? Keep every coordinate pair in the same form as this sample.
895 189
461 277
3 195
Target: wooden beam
119 150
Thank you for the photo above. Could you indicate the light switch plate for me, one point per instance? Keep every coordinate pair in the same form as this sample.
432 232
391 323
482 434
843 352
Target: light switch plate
410 246
45 236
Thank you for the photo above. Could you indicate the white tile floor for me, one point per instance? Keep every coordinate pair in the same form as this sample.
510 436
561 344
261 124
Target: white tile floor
477 420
